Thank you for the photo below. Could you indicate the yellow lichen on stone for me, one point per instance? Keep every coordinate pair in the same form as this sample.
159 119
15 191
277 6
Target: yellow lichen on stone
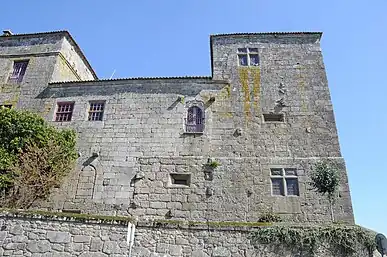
226 114
256 88
47 108
244 80
302 89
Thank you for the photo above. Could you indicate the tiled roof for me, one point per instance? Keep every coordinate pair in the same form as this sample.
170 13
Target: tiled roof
265 33
65 33
138 78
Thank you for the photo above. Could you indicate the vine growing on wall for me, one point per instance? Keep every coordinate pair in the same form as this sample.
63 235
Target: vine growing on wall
343 240
34 157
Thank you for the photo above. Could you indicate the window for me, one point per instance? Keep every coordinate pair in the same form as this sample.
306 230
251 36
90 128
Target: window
194 122
8 106
19 69
248 57
180 179
284 181
96 111
273 117
64 112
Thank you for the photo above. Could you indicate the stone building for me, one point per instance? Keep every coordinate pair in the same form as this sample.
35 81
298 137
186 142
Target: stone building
227 147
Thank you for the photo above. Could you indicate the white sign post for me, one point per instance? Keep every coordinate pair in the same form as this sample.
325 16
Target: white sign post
130 237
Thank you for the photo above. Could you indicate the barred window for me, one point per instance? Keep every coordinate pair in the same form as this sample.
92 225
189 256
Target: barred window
248 57
96 111
284 181
64 112
19 69
194 122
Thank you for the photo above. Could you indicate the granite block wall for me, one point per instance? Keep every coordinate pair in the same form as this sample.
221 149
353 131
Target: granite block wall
127 159
37 237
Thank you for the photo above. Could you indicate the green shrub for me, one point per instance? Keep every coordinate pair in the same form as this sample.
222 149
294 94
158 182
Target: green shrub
269 217
34 157
326 180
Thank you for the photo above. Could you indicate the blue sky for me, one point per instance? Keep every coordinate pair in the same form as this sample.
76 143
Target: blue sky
171 38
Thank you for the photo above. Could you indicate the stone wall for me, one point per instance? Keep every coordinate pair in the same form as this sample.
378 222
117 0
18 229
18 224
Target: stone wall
50 58
53 237
126 159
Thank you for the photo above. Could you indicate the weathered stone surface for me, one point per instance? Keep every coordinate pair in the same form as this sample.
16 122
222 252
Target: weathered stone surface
58 237
41 246
81 239
149 241
126 160
111 247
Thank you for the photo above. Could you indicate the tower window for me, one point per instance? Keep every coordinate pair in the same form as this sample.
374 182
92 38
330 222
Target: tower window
64 112
273 117
180 179
19 69
194 123
284 181
248 57
96 111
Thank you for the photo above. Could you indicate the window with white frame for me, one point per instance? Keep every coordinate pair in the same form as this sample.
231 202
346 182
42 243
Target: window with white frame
248 57
284 181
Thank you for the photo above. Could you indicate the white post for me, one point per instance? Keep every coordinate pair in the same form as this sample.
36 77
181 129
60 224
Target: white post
130 237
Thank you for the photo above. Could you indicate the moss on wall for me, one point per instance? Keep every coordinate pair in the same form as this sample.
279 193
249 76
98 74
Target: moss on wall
257 88
244 81
250 97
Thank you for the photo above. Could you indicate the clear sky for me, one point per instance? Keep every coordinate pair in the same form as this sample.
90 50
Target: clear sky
171 38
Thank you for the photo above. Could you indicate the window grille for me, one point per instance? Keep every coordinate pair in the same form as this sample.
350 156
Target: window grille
96 111
194 122
19 69
64 112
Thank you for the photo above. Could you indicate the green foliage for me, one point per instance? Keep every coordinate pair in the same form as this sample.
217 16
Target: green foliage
213 164
343 240
34 156
325 179
269 217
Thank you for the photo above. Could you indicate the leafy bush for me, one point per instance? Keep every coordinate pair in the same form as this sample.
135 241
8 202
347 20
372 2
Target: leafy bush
34 157
269 217
326 180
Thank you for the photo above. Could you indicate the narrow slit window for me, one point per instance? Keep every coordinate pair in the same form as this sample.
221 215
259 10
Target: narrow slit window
64 112
19 69
96 110
180 179
274 117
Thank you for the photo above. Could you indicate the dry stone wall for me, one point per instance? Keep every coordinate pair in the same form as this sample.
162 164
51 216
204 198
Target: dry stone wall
37 237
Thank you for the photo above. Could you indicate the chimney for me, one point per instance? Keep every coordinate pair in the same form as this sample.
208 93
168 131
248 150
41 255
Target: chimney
7 33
